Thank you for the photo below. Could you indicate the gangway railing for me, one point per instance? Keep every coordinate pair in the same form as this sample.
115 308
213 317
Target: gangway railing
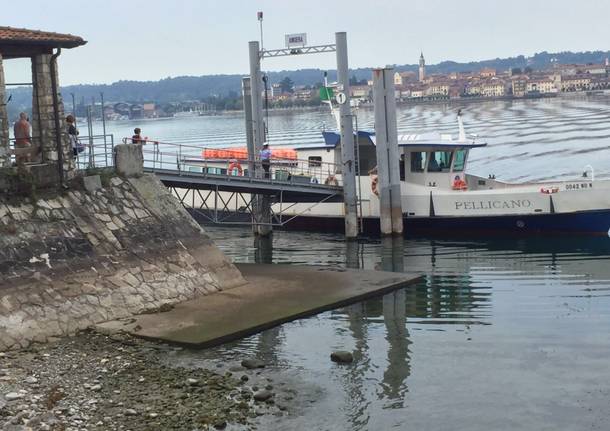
94 151
222 189
235 165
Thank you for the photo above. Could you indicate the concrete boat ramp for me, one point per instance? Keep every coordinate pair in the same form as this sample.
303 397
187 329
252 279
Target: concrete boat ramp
274 294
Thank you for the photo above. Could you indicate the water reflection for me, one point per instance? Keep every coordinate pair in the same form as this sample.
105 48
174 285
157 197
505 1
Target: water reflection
354 381
392 254
482 311
263 249
398 369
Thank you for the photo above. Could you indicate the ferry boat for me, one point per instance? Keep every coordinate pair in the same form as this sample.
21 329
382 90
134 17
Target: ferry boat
439 196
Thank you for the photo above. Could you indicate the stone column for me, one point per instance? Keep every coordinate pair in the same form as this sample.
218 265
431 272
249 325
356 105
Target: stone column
5 159
43 115
129 160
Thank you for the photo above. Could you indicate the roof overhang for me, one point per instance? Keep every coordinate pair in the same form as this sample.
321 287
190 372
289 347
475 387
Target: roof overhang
21 42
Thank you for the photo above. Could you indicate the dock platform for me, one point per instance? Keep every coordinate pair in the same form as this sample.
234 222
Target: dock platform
274 294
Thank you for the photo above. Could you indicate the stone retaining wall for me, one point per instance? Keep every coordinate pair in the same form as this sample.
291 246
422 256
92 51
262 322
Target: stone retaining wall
73 259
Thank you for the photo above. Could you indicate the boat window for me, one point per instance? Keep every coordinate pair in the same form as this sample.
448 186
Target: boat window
440 161
217 171
418 161
459 161
315 161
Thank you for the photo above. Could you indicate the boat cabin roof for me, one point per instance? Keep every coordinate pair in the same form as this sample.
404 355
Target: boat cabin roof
434 140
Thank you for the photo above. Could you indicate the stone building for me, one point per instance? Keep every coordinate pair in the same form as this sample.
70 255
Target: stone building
50 146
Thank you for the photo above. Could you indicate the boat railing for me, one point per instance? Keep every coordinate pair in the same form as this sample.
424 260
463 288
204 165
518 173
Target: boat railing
187 159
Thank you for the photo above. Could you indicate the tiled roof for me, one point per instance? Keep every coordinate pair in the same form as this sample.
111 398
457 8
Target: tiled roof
23 36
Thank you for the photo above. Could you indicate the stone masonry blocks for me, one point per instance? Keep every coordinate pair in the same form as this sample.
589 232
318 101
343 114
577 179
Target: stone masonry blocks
70 260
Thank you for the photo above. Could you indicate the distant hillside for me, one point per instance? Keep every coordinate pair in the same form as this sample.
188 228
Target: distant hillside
199 87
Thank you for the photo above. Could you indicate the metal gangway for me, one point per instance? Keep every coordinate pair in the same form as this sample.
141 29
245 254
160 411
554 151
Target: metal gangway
223 190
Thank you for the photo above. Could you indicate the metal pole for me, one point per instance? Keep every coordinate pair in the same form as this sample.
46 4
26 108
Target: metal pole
358 173
104 128
258 126
73 108
262 226
247 95
386 140
90 133
265 78
348 168
260 20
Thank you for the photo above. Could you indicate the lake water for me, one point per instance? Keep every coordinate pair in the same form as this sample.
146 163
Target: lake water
527 139
499 335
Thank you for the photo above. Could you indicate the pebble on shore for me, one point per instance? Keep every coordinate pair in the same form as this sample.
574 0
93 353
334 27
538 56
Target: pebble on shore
92 381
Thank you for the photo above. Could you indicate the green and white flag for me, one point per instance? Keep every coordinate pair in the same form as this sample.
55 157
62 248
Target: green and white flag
326 93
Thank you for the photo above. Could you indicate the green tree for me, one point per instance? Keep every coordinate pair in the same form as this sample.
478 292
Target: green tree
516 71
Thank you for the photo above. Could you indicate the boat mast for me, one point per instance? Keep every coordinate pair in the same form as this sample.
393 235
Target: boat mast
462 132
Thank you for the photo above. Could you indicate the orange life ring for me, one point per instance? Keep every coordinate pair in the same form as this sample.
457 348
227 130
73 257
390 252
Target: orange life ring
235 165
374 182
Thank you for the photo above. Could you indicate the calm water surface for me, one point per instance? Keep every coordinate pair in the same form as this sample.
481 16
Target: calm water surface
528 139
499 335
502 334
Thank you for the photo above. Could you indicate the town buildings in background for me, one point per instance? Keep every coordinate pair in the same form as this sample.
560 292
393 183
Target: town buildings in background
485 83
492 83
411 86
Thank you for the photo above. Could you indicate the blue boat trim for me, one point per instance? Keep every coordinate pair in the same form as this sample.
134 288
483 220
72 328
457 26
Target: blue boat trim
591 222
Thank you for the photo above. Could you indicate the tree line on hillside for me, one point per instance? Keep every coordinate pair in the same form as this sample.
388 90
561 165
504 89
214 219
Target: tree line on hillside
224 90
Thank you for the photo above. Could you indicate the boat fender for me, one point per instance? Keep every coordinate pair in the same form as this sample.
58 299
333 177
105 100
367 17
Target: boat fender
549 190
374 183
235 165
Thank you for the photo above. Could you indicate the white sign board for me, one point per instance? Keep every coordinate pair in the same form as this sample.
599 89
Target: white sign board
297 40
341 98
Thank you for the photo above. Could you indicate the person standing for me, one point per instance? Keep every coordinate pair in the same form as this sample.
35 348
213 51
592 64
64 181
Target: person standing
23 138
73 135
137 136
265 155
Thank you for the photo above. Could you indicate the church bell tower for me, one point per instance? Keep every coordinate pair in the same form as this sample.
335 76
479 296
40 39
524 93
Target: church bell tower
422 68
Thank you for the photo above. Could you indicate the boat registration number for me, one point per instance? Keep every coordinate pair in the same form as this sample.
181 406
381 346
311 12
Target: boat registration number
579 186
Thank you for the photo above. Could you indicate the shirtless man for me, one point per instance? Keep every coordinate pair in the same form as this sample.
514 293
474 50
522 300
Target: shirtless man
23 138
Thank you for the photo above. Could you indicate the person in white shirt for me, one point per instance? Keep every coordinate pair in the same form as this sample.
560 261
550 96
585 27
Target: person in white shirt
265 155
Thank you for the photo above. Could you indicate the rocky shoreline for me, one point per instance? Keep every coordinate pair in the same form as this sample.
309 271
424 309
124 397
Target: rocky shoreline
114 382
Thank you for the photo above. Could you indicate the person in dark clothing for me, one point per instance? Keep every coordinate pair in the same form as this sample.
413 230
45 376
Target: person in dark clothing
73 135
137 137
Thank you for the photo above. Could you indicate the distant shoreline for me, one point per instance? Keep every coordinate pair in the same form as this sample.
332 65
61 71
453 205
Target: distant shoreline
403 103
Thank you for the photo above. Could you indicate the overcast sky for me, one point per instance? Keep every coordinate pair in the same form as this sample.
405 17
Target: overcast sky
154 39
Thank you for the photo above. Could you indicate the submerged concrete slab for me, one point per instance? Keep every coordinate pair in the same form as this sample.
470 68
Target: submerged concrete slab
274 294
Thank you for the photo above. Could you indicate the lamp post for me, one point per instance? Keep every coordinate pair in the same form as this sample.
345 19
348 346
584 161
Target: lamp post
73 108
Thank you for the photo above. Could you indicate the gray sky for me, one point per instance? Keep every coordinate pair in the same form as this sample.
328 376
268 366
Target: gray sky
154 39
